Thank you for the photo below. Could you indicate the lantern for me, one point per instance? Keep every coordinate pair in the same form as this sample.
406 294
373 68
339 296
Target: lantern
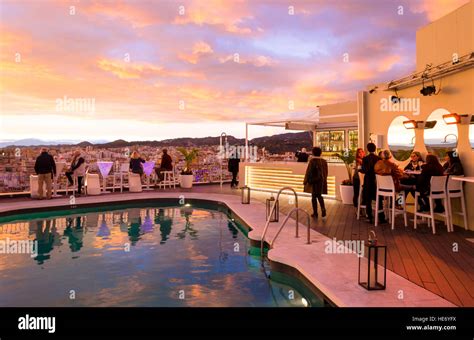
373 268
274 216
245 195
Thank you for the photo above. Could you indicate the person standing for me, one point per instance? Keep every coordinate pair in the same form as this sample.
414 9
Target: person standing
360 154
315 181
302 156
233 167
45 168
78 169
370 185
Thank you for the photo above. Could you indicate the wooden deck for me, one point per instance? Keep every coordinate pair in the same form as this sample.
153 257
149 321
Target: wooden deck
430 261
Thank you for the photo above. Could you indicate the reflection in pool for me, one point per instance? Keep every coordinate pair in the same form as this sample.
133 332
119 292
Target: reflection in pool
137 256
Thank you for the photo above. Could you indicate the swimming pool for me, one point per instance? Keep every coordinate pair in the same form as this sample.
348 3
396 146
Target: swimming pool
144 254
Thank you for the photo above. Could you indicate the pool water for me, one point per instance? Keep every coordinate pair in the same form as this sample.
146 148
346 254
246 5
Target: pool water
148 255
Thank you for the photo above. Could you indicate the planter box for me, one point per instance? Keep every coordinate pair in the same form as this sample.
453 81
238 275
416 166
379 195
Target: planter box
347 193
186 181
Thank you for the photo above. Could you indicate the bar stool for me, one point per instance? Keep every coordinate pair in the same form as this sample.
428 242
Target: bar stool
359 199
437 191
168 179
386 189
120 175
456 190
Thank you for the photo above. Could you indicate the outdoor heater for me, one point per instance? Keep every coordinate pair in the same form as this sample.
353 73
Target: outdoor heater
272 216
373 268
245 195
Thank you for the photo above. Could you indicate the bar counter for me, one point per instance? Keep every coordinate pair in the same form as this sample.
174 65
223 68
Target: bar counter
272 176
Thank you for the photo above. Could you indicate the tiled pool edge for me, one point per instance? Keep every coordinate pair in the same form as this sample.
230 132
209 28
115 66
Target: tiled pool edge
334 276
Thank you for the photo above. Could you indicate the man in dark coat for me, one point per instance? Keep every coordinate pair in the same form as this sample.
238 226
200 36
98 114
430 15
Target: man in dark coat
45 168
370 185
233 167
315 181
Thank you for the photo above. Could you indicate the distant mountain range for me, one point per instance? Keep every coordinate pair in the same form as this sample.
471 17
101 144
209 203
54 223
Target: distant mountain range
275 144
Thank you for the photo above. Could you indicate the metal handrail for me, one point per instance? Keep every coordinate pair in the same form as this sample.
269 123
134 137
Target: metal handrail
271 213
308 241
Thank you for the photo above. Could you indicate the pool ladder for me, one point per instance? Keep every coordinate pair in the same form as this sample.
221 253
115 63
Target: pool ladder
295 209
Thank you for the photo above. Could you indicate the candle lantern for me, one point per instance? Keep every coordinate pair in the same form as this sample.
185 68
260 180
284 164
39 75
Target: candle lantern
245 195
274 216
373 268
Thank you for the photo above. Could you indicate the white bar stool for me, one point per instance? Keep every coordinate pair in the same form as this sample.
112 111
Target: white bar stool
168 179
456 190
437 191
386 189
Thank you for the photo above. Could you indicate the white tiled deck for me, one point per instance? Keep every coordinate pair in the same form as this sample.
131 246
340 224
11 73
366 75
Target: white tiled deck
335 275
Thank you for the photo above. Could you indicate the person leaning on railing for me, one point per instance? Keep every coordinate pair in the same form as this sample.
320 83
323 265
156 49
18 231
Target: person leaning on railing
45 168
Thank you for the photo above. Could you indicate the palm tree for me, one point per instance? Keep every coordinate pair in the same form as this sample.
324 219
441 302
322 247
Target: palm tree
189 157
348 158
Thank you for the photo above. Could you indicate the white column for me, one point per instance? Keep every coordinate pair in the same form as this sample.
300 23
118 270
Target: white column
246 142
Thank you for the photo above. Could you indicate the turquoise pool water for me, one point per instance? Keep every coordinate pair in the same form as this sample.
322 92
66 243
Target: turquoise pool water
139 255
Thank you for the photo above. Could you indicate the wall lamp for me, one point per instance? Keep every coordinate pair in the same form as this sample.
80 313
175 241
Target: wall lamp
419 124
454 118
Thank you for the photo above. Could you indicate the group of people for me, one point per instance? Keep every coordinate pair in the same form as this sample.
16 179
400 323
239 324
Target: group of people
416 176
45 169
136 164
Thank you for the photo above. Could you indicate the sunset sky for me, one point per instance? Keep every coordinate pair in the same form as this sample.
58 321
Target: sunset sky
156 70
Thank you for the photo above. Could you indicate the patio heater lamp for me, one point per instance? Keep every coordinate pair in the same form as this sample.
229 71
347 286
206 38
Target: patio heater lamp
274 216
373 269
245 195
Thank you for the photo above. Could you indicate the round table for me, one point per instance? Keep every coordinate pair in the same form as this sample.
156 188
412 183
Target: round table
104 168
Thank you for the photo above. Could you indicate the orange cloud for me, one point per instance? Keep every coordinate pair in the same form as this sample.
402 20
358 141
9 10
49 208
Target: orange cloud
228 14
199 49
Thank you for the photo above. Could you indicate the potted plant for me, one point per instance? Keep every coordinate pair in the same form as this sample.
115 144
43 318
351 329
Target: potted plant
186 177
346 189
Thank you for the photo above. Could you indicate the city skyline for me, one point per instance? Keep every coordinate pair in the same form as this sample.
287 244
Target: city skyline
153 70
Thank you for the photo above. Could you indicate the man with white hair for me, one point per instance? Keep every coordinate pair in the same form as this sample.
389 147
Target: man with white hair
302 156
45 168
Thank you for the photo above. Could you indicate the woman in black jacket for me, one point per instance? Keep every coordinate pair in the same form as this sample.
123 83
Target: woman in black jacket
136 163
453 166
431 168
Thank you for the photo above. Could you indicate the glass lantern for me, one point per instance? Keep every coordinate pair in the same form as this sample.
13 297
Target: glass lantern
373 268
274 215
245 195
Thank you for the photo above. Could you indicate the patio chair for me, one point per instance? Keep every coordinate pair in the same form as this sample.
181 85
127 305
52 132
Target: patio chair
456 190
437 191
92 184
134 182
386 189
